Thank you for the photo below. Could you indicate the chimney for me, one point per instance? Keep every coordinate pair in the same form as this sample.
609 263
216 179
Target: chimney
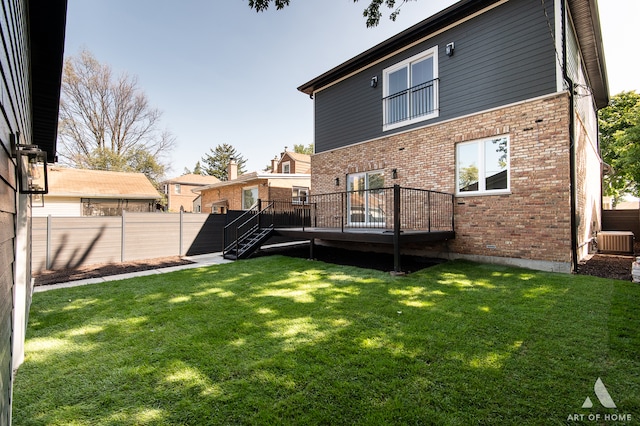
232 169
274 165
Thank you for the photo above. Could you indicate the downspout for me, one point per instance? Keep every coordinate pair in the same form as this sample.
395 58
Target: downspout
572 147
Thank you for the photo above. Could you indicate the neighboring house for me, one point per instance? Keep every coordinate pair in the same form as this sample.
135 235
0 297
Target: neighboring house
241 192
180 196
292 162
32 56
81 192
493 101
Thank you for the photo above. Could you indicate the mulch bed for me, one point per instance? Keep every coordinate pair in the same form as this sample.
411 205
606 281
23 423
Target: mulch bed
106 269
610 265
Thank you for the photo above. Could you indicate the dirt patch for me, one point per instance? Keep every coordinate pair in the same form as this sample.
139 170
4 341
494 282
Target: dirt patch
106 269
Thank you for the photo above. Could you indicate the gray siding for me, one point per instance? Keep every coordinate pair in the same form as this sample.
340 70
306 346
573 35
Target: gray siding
14 114
502 56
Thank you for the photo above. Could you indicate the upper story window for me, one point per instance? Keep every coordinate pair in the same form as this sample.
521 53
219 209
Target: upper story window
176 188
482 166
286 167
411 90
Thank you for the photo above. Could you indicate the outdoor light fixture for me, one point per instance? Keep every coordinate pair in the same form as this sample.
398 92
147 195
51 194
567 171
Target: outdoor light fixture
449 49
374 81
394 173
337 181
32 167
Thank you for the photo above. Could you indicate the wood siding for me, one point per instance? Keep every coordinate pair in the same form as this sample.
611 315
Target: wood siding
15 116
502 56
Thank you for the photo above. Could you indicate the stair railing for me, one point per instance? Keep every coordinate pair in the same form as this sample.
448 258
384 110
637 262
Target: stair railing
244 225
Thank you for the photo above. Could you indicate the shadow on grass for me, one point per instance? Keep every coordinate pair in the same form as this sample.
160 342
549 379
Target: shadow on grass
279 340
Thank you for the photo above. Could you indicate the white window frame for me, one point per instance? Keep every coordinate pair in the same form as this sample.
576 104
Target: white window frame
286 165
296 193
432 52
482 167
177 188
249 188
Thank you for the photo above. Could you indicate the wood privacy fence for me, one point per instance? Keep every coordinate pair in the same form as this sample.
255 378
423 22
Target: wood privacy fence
622 220
69 242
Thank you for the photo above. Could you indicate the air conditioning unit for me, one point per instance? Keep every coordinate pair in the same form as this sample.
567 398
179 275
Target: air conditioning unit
615 242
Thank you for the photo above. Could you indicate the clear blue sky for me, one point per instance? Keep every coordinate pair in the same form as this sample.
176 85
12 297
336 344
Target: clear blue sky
222 73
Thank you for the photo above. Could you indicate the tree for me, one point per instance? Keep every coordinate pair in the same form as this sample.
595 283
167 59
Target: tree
106 122
301 149
619 125
215 163
372 12
197 170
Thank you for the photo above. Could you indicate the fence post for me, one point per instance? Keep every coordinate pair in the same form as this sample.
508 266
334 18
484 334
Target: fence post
181 231
396 228
48 253
123 230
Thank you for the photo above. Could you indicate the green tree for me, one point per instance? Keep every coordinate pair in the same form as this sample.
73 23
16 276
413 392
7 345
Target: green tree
197 170
303 149
619 125
372 12
216 162
106 122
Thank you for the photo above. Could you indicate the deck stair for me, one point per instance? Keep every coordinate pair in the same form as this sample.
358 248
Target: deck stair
249 243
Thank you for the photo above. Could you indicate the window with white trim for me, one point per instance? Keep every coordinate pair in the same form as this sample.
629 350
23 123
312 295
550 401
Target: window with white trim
300 194
286 167
249 197
482 166
411 90
176 188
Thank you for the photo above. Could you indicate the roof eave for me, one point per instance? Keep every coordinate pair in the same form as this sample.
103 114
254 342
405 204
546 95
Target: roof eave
435 22
587 24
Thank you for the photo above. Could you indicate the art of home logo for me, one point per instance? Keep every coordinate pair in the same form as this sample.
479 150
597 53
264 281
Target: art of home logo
604 398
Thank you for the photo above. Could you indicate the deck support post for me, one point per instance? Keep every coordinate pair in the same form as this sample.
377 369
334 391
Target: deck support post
396 229
312 243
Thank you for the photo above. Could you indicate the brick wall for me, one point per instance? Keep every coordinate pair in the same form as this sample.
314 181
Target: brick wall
532 222
184 199
233 194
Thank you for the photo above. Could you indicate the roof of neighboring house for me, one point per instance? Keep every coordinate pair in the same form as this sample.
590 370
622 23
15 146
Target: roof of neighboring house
297 157
66 182
193 179
583 12
249 177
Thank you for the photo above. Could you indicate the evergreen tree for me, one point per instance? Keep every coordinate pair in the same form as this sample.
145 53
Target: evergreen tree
215 163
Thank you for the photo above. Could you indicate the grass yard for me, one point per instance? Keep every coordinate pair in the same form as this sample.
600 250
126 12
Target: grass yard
277 340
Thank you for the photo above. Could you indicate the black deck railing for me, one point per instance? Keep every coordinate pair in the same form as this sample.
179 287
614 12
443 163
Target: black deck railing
392 208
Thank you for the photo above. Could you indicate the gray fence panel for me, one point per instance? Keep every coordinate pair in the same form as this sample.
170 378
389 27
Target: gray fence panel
622 220
151 235
77 242
71 242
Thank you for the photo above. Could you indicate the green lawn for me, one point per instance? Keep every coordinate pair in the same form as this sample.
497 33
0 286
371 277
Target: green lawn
277 340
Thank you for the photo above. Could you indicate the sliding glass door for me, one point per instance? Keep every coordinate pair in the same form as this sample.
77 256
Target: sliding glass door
366 201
